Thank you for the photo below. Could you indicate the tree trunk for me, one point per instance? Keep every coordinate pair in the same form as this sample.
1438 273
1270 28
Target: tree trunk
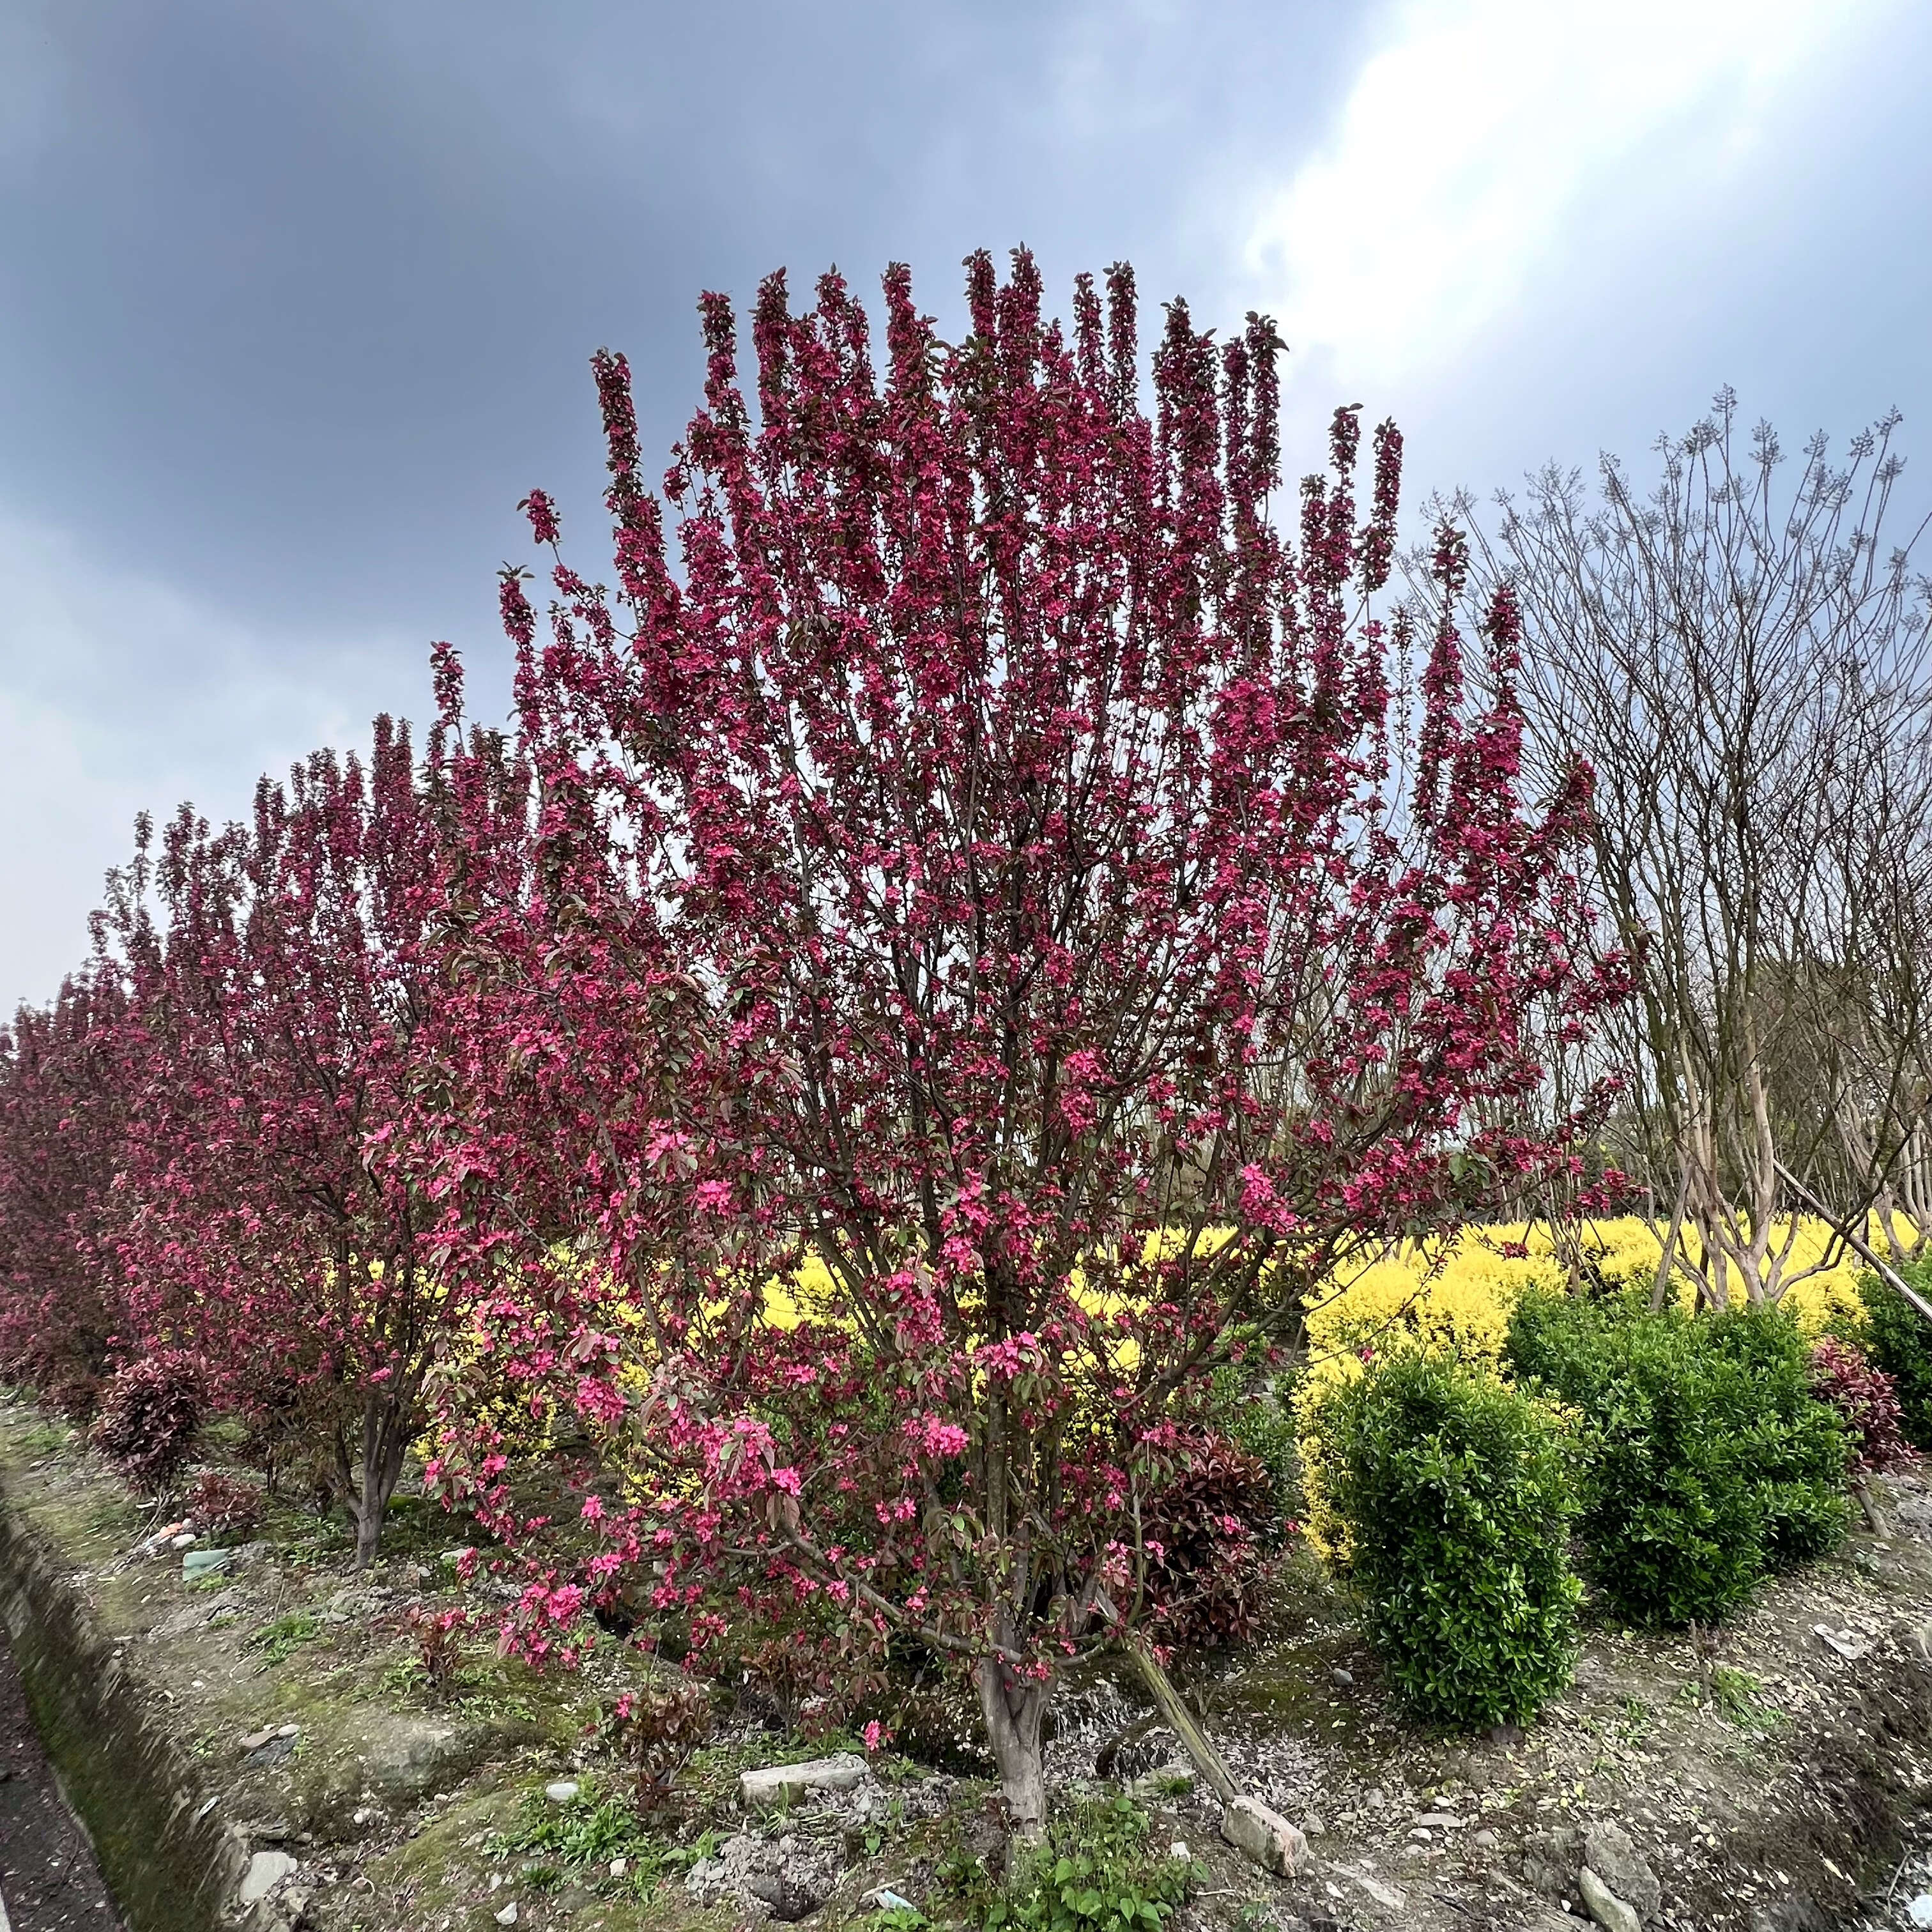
368 1479
1660 1289
1015 1710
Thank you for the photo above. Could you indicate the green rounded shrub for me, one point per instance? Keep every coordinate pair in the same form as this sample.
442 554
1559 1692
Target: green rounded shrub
1708 1460
1796 1442
1457 1493
1898 1339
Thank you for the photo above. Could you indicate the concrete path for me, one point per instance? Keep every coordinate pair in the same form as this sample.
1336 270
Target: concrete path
49 1882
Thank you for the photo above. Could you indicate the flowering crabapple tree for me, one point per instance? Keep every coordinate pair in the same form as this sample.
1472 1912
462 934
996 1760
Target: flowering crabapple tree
64 1077
1083 942
280 971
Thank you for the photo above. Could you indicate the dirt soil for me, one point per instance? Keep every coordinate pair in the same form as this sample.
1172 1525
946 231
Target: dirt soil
1767 1779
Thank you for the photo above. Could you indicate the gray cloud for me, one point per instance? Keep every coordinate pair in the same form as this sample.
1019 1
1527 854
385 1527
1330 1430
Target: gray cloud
295 303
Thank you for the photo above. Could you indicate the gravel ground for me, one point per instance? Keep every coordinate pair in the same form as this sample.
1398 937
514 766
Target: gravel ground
48 1877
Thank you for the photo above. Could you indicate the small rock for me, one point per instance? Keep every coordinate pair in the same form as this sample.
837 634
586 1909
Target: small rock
1441 1821
1604 1905
1487 1838
183 1541
1609 1853
266 1870
288 1730
255 1740
706 1876
1178 1849
363 1817
402 1757
1264 1836
1341 1677
1376 1799
1551 1860
1382 1894
780 1784
508 1916
561 1791
1312 1824
619 1867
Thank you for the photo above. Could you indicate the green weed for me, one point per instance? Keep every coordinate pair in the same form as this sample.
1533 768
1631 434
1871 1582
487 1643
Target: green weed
1095 1872
277 1641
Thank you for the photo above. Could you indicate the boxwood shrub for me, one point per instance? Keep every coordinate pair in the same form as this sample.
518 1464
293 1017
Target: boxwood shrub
1708 1459
1457 1494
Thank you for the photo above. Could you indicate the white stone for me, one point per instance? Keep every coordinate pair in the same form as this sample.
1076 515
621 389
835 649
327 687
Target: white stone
508 1916
562 1792
1264 1836
619 1867
780 1784
1178 1849
1609 1853
266 1870
1920 1910
1605 1906
1382 1894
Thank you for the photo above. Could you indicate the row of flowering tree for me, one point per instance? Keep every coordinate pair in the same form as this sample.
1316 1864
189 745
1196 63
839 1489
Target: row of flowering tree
192 1140
975 925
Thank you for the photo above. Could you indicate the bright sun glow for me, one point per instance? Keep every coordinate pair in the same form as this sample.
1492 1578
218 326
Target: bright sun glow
1477 123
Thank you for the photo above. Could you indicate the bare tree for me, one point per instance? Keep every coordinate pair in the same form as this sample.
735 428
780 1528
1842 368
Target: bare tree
1745 667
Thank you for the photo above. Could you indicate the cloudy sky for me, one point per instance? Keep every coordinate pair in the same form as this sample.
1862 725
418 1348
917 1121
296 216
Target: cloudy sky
295 301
